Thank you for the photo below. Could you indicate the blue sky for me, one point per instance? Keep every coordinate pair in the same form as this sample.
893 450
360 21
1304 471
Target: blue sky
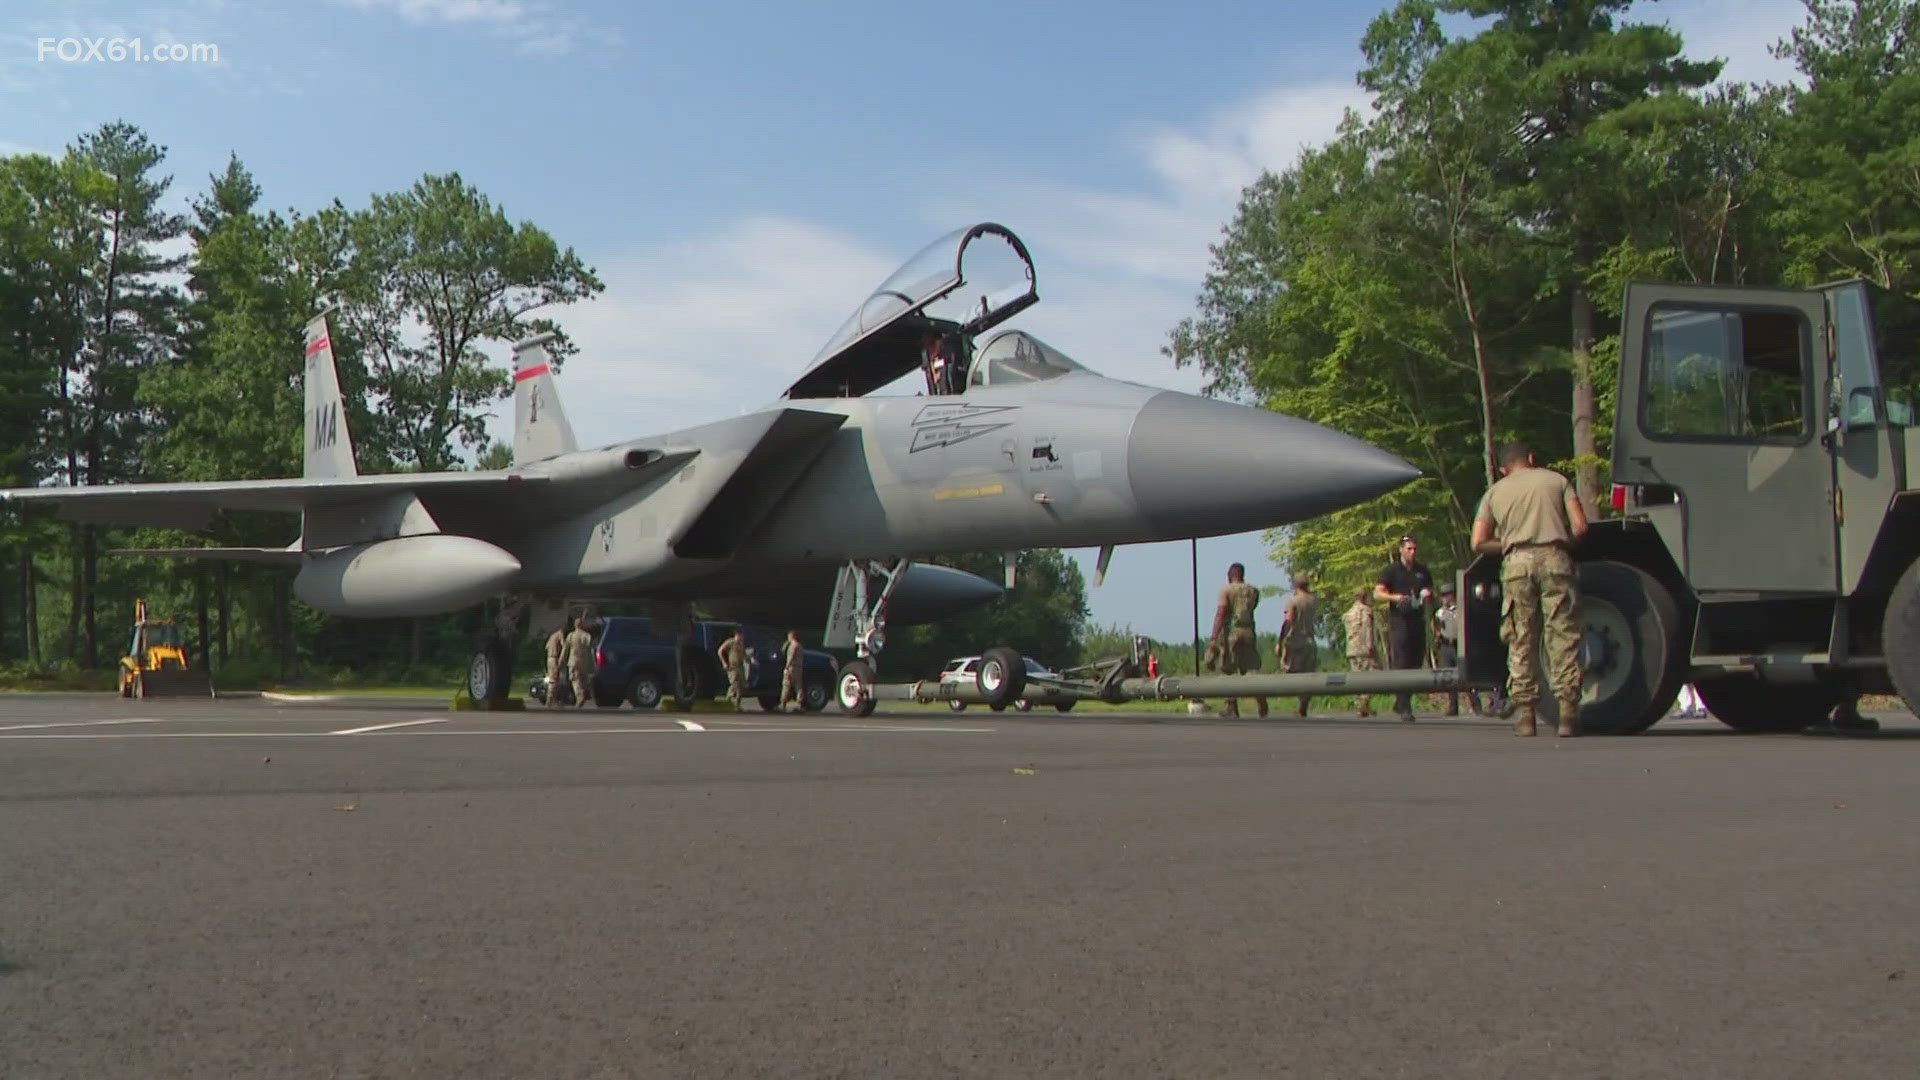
741 174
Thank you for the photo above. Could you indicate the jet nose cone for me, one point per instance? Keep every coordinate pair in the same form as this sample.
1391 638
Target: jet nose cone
1204 467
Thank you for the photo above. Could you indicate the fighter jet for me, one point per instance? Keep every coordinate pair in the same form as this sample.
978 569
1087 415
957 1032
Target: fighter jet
824 500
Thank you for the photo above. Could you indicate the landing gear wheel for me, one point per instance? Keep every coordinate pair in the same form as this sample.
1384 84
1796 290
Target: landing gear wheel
646 690
855 689
1630 645
1900 636
687 689
1001 676
1748 705
956 705
815 693
488 673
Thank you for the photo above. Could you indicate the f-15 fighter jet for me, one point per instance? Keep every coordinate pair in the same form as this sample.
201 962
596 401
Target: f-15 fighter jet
818 504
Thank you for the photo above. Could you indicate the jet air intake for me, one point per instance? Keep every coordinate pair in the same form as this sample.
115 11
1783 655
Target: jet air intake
412 575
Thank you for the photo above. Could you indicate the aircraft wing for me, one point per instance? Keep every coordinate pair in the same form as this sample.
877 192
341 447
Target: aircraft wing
192 505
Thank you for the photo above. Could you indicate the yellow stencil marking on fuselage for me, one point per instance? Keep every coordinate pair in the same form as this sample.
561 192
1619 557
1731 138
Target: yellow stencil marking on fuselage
981 492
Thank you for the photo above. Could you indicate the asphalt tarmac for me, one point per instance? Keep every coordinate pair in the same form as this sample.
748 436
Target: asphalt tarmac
238 889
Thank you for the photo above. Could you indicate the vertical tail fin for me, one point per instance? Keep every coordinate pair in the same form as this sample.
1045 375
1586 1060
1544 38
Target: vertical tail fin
540 429
329 450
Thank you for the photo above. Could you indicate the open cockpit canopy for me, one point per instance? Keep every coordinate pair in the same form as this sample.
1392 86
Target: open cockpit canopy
925 316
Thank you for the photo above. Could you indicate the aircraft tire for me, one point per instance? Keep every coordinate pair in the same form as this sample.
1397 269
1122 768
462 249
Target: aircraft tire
1747 705
1000 676
1900 636
489 672
854 688
1630 616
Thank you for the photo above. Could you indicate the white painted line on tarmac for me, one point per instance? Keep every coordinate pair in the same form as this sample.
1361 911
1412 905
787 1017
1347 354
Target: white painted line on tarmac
690 725
388 727
86 723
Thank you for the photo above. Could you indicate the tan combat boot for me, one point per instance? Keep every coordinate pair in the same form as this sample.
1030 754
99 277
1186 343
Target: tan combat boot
1523 720
1569 719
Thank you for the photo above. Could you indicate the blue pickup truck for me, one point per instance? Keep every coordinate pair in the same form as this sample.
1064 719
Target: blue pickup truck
635 666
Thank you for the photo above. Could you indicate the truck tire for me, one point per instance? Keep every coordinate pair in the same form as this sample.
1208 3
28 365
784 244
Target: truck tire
854 688
694 687
768 702
1900 637
646 689
816 692
1000 677
1633 622
1747 704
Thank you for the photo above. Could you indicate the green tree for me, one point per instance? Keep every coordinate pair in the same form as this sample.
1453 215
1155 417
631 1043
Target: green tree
1576 70
1848 153
443 258
1044 616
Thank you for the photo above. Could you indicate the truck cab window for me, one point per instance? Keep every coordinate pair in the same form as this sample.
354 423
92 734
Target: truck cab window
1726 374
1896 322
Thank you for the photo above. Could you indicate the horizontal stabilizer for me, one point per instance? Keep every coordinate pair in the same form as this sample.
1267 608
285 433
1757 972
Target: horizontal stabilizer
285 556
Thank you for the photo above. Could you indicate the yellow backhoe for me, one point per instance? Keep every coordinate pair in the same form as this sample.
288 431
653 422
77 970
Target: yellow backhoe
156 661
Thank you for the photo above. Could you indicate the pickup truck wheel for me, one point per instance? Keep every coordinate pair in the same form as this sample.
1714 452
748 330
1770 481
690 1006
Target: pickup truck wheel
816 692
1900 636
769 702
855 689
646 689
1629 651
1746 704
1001 676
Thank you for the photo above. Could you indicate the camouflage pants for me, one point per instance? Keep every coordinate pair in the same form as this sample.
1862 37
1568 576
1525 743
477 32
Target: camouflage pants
736 686
1363 663
1540 608
1240 657
790 686
582 690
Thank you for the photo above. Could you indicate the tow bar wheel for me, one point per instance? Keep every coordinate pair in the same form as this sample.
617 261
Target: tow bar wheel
1001 676
855 689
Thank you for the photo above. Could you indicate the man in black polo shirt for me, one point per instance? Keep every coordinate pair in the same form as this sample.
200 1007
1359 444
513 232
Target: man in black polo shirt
1407 588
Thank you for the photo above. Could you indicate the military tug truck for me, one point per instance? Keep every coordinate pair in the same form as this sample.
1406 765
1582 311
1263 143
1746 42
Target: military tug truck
1766 527
1764 545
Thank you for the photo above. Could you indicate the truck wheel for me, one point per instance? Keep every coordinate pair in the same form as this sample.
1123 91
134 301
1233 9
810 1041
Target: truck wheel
1746 704
769 702
1001 676
1900 636
487 672
1629 651
646 690
816 692
855 689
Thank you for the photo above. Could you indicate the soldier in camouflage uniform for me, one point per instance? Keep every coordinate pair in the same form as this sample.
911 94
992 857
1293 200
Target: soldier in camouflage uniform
580 665
792 672
1233 635
1532 518
556 660
733 658
1298 652
1363 640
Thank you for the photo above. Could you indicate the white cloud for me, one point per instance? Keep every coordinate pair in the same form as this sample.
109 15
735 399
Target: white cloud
532 26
